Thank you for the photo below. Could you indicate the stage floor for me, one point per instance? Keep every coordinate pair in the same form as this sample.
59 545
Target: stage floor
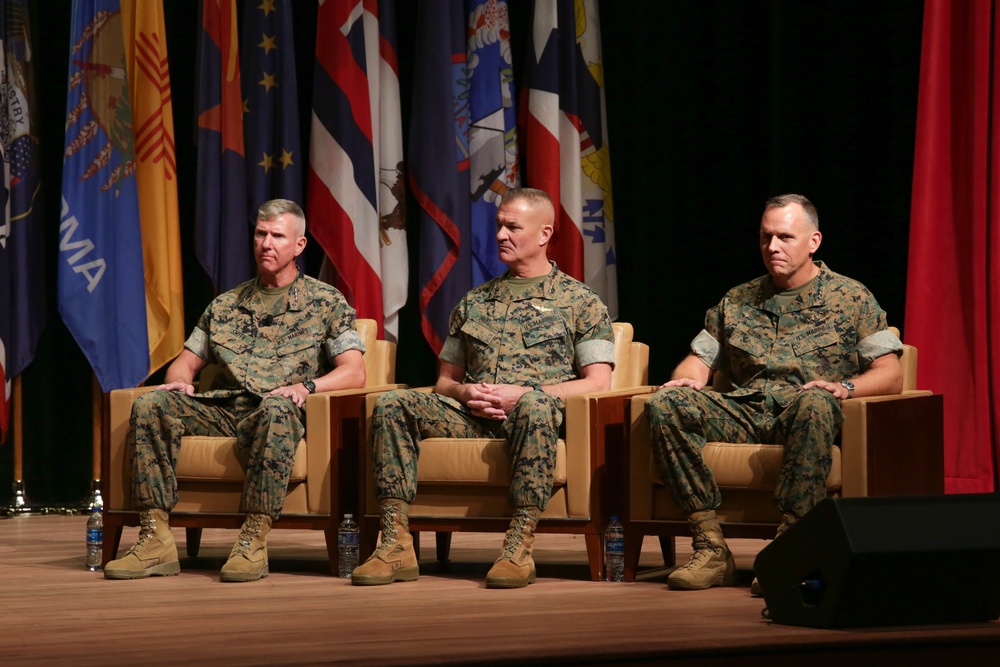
53 611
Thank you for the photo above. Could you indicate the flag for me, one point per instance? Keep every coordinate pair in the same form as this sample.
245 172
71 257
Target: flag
439 164
22 294
565 143
356 191
493 166
271 118
222 227
101 287
156 174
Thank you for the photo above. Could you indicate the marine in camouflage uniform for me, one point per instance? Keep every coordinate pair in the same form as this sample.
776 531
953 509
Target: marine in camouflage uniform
517 345
257 350
276 339
791 344
538 338
768 350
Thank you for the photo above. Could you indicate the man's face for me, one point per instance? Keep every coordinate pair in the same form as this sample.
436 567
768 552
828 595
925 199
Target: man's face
522 232
787 243
276 244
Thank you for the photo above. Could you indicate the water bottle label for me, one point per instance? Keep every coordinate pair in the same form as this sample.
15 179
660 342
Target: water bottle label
348 539
95 535
615 545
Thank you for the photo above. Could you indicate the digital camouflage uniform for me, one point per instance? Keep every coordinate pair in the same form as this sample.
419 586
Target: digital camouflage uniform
767 350
257 352
544 336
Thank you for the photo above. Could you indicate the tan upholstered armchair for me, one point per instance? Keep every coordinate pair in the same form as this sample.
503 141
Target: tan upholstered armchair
463 482
889 445
324 476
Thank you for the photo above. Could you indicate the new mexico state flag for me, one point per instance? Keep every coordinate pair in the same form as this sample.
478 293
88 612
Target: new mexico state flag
153 124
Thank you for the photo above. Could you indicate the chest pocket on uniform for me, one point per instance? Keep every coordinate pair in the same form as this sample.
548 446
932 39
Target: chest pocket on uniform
479 332
297 359
229 344
544 330
815 340
750 341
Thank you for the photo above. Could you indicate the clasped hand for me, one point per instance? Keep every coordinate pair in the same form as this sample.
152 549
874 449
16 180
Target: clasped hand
493 401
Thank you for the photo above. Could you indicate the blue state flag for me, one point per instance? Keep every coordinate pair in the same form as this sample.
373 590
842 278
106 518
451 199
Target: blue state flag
102 296
271 118
493 166
439 164
22 275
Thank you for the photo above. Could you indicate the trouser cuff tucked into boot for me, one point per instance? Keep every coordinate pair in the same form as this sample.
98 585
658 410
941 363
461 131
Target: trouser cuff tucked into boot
248 559
515 567
394 558
711 563
153 554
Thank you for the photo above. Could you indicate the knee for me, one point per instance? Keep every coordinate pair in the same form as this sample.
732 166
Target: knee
149 403
665 401
279 406
820 401
538 403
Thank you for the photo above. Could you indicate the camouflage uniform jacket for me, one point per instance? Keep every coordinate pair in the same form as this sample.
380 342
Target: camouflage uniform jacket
830 332
544 336
259 351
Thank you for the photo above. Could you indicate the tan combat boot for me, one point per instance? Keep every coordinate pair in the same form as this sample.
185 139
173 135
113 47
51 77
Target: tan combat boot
394 558
711 563
786 522
515 568
154 554
248 559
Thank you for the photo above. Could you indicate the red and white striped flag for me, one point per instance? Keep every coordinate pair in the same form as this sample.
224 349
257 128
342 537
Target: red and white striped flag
565 143
356 186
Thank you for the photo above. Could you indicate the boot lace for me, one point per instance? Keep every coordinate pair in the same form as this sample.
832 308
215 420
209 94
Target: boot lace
249 532
147 527
515 534
389 532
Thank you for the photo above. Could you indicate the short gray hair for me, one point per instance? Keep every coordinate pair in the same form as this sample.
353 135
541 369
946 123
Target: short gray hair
270 210
781 201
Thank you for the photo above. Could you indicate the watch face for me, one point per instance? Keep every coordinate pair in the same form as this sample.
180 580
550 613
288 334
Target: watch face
310 385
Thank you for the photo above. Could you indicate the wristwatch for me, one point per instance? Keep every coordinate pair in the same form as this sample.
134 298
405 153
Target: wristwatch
310 386
849 386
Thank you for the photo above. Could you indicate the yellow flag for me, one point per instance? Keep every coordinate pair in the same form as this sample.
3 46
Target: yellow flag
156 170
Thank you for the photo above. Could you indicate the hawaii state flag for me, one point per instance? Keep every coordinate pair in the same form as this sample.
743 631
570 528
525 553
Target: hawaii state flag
439 164
271 118
565 143
101 286
493 166
356 205
222 223
156 170
22 278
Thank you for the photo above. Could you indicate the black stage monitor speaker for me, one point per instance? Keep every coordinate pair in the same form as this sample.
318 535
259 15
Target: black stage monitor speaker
853 562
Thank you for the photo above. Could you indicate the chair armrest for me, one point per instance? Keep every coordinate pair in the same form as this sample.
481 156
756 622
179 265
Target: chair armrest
595 435
118 495
640 456
893 444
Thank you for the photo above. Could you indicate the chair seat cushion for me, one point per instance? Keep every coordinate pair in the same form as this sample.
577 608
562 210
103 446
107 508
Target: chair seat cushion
473 460
213 459
752 467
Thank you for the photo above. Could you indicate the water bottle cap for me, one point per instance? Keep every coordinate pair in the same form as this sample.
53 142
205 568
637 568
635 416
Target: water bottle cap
348 516
614 517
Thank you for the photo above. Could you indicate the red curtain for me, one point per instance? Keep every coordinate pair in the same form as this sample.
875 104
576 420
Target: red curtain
953 281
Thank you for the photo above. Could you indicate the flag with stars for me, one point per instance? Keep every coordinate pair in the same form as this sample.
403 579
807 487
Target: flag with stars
22 279
565 141
222 224
271 113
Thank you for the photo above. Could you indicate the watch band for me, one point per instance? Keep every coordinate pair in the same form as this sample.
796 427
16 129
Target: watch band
537 387
310 386
849 386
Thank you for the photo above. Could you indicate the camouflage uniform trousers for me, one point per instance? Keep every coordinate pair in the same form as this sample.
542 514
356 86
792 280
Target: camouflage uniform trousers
402 418
682 420
267 433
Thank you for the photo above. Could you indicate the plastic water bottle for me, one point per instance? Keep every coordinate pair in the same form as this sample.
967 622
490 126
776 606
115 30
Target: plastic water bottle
614 551
348 541
95 540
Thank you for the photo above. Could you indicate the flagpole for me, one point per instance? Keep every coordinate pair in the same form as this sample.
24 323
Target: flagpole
19 502
94 501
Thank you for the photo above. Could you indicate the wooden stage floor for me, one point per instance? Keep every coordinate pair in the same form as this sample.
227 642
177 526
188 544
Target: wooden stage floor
54 612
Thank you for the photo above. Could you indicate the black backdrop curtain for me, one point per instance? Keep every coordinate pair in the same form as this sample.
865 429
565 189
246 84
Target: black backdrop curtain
712 108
